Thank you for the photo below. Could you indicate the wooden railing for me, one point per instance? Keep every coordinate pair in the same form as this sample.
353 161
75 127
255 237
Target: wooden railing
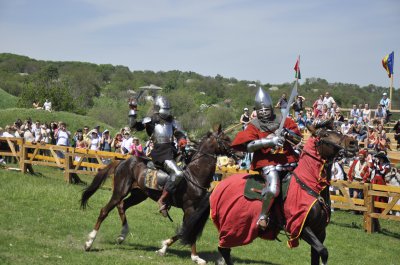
371 209
71 160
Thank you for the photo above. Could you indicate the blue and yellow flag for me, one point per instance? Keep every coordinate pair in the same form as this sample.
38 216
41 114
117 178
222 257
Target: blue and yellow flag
387 63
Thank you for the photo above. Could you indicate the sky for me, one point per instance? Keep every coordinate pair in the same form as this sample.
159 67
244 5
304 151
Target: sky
255 40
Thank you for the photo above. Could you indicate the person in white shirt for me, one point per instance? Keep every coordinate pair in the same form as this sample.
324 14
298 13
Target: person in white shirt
47 105
328 100
126 143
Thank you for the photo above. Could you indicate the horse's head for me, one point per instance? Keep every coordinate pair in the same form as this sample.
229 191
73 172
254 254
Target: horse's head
330 143
219 142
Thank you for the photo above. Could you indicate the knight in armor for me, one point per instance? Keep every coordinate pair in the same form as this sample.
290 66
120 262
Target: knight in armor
273 154
161 128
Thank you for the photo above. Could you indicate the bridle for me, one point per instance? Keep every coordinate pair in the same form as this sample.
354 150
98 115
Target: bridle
221 145
342 150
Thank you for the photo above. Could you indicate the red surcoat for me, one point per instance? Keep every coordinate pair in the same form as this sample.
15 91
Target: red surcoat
266 156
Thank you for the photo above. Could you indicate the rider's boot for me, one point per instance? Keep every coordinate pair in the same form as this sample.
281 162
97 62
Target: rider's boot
162 203
263 219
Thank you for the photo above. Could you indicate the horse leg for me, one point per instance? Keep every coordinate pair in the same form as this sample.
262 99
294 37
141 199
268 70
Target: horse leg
103 214
226 256
133 199
195 258
165 244
317 248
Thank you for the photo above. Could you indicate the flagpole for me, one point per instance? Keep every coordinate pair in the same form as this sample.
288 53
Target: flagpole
390 92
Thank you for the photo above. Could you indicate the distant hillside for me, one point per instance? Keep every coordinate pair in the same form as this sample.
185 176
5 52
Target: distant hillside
7 100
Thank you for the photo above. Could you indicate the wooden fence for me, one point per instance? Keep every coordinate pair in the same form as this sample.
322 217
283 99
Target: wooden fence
72 160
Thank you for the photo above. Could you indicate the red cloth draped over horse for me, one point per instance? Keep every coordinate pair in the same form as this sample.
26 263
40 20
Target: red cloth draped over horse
298 202
235 216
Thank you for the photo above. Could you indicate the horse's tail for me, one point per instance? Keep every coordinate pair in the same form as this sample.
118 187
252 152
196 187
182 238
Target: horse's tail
98 180
193 226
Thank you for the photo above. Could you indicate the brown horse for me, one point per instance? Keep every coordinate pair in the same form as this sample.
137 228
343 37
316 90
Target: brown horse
306 209
130 178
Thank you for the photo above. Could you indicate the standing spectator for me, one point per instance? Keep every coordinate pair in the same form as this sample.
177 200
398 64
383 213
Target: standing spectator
298 105
396 130
97 129
62 135
53 131
117 143
245 118
328 100
126 143
366 113
47 105
359 171
386 104
282 104
94 142
105 142
318 105
337 174
78 133
355 113
301 122
37 132
136 148
28 134
253 114
85 134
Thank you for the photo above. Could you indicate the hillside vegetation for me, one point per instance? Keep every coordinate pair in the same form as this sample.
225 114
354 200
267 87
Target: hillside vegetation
7 100
102 91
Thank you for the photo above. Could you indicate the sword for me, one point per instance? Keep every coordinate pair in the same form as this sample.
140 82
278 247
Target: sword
286 113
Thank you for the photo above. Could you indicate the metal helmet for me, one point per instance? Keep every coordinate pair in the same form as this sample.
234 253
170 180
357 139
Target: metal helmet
263 105
262 99
162 106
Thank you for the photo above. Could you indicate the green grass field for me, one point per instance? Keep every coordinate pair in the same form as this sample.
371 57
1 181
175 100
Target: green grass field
41 223
7 100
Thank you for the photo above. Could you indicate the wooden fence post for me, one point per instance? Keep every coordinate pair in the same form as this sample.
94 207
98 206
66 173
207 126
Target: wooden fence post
67 166
23 156
369 204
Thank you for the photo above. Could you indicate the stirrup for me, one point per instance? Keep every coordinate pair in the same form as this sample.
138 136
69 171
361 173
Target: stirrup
163 210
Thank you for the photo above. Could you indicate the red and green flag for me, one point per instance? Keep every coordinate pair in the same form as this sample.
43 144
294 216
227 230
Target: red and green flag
387 63
297 69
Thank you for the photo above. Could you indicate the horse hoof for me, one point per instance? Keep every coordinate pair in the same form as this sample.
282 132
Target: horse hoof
160 252
87 246
198 260
120 239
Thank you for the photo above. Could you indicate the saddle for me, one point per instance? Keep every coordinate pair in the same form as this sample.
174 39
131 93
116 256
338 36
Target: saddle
155 179
252 191
256 183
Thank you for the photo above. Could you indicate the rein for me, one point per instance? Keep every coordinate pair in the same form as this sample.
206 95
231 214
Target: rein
189 176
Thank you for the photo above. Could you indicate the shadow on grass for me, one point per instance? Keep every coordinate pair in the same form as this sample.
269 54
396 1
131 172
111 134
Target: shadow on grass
184 253
357 226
